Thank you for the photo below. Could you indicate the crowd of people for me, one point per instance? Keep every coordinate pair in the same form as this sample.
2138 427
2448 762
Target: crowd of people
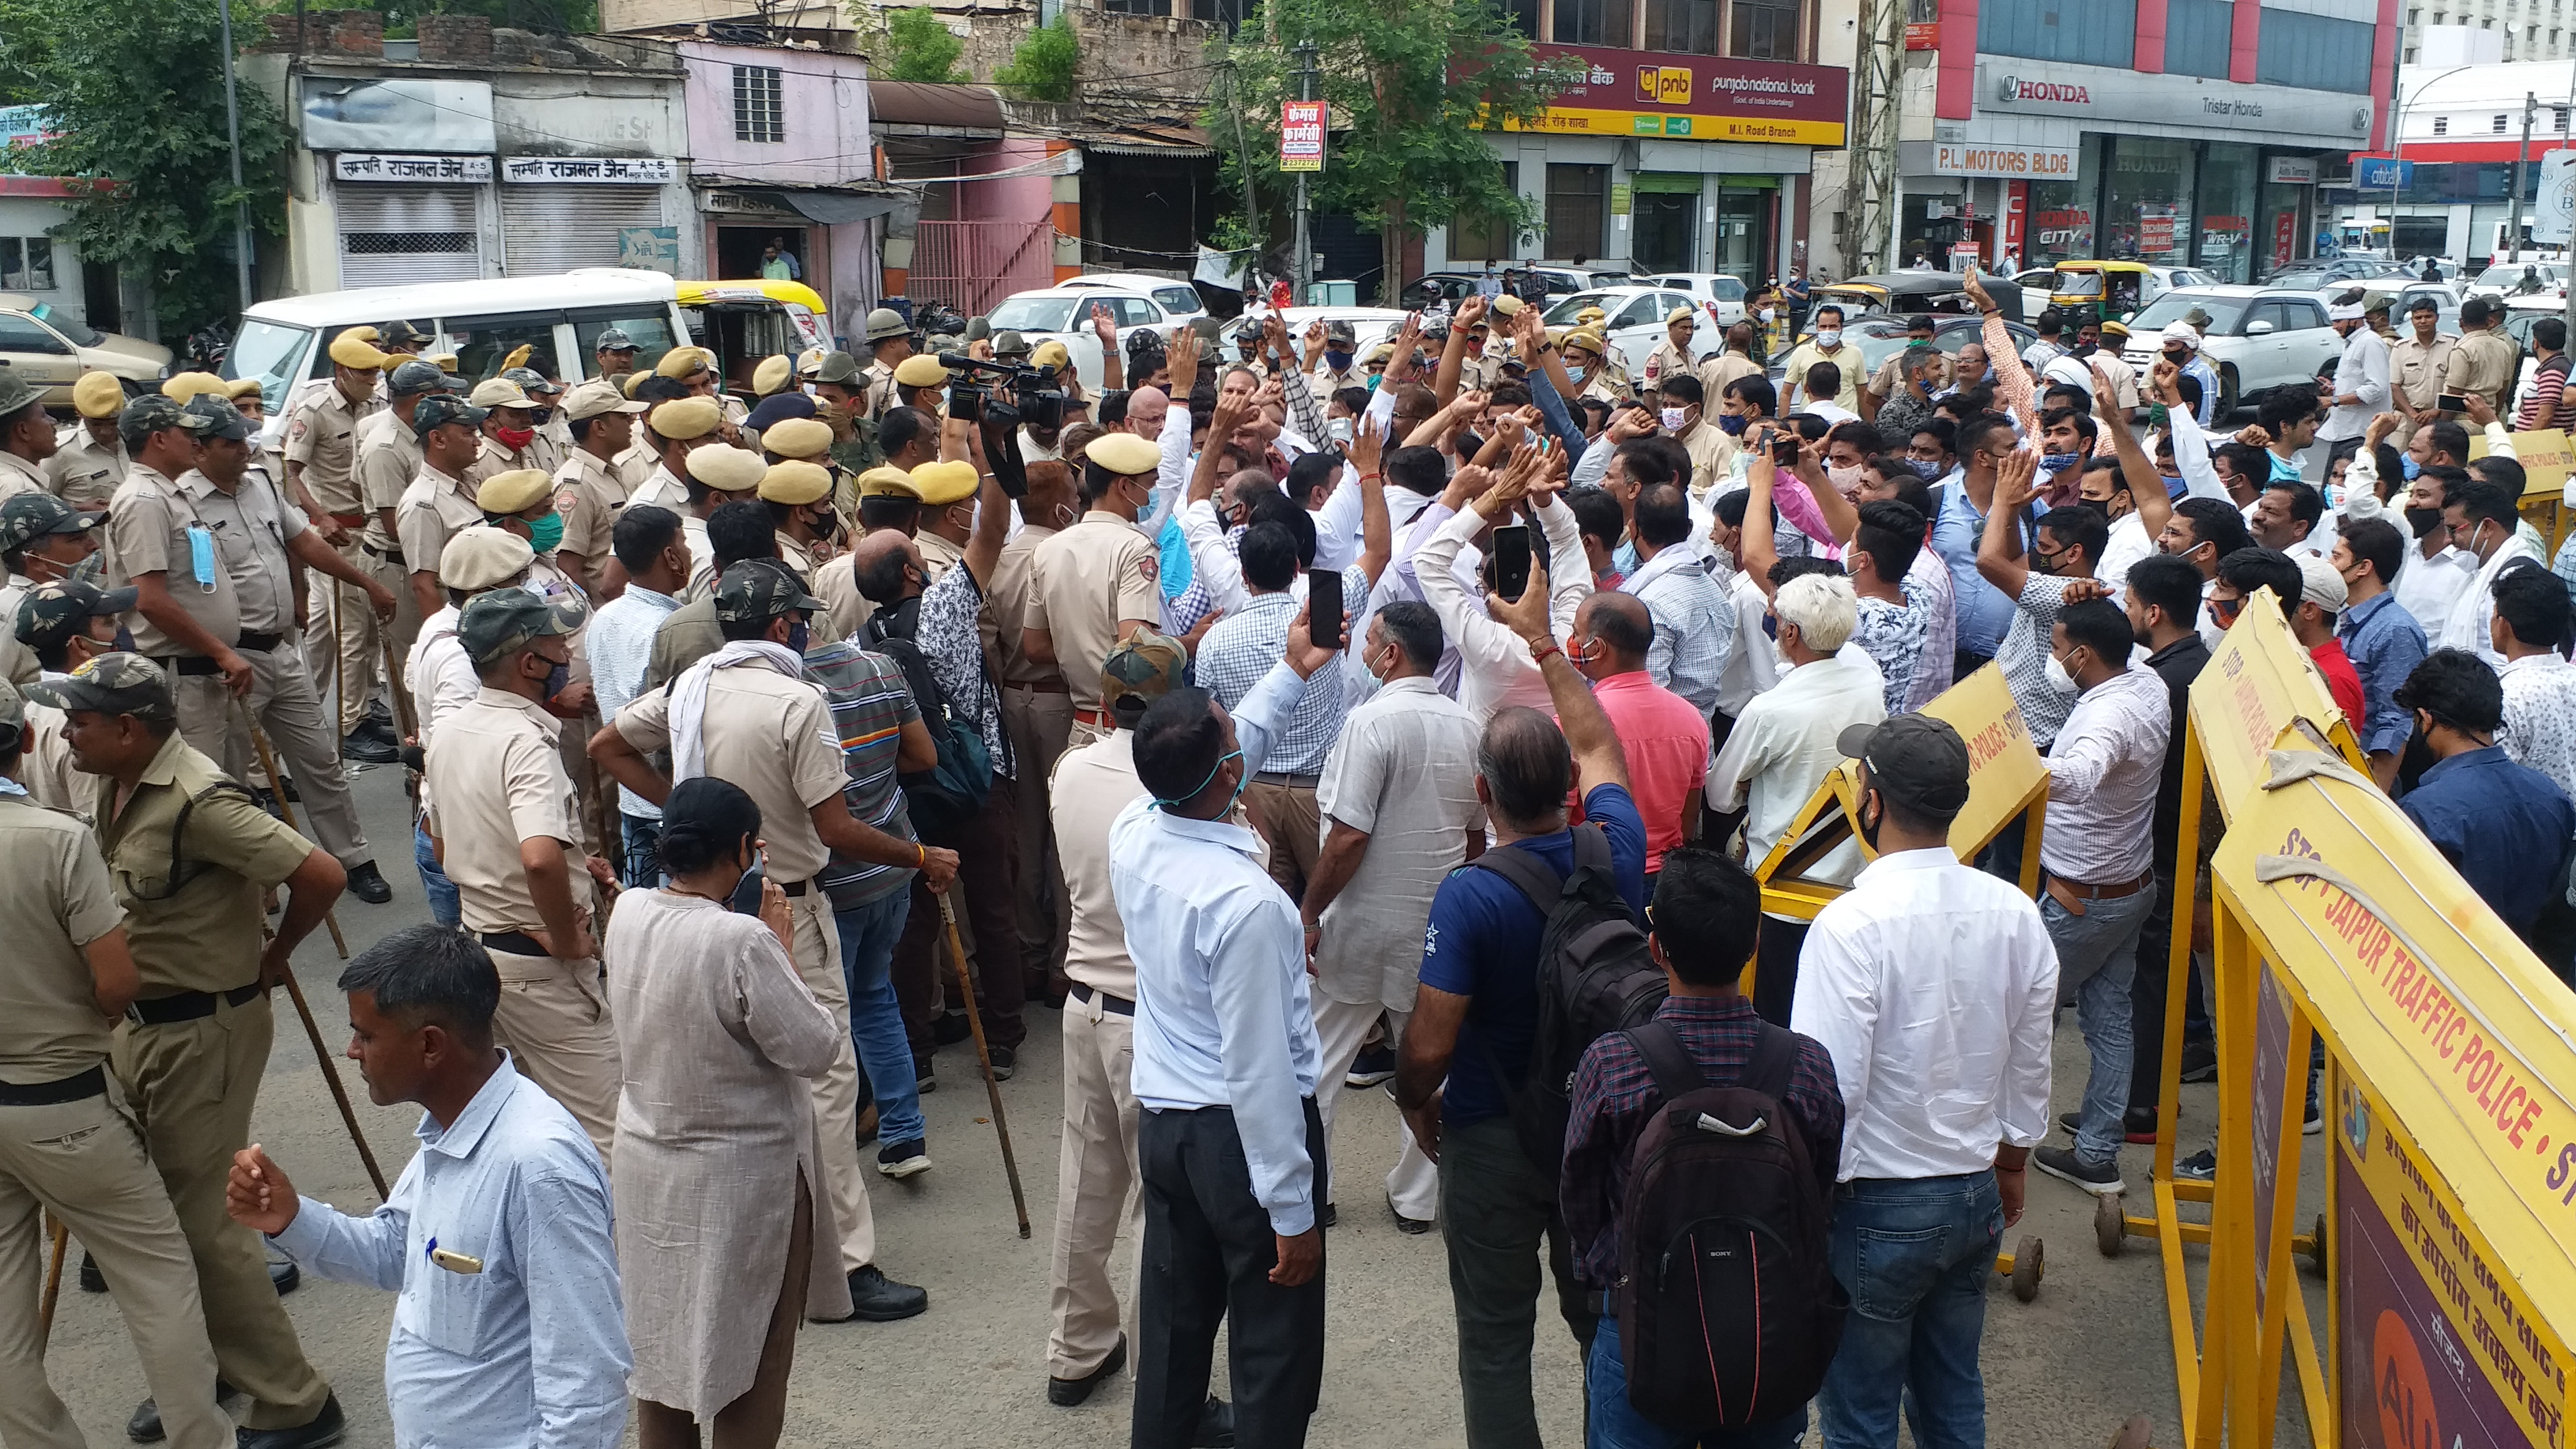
1290 725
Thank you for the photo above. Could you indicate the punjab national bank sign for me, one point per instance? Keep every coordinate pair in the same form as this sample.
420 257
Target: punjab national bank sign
1624 93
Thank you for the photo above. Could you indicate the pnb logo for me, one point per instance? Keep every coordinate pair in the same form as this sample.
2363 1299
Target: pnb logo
1664 85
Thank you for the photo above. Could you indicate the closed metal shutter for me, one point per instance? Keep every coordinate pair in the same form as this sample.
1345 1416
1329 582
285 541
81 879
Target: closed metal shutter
548 229
395 234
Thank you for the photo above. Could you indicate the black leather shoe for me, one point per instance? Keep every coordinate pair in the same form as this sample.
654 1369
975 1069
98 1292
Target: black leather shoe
1006 1060
369 749
91 1280
145 1426
876 1298
1414 1227
1065 1393
950 1028
368 884
328 1428
284 1276
1216 1426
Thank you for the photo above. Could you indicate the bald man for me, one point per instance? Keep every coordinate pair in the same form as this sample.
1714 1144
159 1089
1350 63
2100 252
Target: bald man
1665 735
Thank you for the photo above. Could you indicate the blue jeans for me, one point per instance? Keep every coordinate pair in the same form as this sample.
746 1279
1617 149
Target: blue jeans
641 864
1614 1423
443 907
868 935
2097 961
1914 1255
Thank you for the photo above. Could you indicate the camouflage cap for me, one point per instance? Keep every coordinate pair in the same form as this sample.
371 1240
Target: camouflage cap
839 367
114 684
444 408
530 381
212 415
1340 330
27 517
1140 671
151 413
613 339
400 333
16 393
55 610
503 620
761 588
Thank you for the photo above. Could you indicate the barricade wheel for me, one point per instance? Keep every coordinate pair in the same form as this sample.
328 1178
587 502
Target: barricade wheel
2030 1262
2110 1224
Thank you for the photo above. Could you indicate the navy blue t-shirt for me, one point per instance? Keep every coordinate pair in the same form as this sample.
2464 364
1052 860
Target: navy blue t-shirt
1483 944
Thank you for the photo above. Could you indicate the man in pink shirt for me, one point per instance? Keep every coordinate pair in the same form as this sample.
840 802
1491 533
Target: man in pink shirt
1665 738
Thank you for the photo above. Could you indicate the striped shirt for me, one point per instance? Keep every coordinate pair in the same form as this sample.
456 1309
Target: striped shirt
1246 645
870 707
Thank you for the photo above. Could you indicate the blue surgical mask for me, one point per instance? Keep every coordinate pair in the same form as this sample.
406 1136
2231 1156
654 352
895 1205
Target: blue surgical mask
2059 462
1213 771
2407 465
201 556
1730 424
1337 361
1923 468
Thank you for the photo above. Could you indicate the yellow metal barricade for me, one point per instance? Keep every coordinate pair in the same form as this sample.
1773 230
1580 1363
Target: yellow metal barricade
2547 457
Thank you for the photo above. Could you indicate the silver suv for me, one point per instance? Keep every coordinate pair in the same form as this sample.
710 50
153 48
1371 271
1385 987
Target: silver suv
2258 338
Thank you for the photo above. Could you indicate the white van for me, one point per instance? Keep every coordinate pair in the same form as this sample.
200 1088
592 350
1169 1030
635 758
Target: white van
286 342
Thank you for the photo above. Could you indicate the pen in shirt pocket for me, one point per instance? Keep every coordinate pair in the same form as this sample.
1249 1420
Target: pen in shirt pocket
453 1262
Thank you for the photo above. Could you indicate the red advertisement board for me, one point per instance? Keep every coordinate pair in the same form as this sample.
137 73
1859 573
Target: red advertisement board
1697 98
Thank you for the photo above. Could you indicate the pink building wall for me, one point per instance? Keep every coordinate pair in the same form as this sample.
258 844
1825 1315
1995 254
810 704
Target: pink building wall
824 100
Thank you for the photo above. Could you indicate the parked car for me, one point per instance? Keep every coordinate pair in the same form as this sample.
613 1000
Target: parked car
51 351
1063 314
1178 299
1445 288
2308 276
745 322
2521 279
2259 338
1633 321
1369 327
1720 297
1882 337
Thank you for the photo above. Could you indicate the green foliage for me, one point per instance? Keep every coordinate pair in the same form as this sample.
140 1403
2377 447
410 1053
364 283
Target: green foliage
136 89
402 17
1414 91
1043 64
918 47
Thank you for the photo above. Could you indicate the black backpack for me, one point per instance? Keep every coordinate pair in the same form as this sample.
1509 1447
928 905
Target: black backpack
944 797
1729 1311
1595 977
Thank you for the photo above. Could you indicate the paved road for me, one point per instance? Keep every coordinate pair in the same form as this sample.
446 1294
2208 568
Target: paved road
2062 1371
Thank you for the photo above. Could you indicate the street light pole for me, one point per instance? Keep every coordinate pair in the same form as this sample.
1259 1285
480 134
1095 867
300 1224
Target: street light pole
2521 171
232 135
1304 265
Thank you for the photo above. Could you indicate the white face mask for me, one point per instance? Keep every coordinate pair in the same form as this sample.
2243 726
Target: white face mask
1829 338
1675 419
1339 430
1766 314
2058 678
1846 481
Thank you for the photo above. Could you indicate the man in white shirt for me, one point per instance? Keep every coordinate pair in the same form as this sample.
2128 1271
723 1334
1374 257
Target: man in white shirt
2434 575
2484 521
1226 1063
2531 623
2098 854
1782 746
1695 623
1495 668
1933 986
442 680
2361 379
650 545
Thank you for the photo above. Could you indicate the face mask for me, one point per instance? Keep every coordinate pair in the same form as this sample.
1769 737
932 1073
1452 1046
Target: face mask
124 639
2408 468
2059 462
1766 314
2423 520
1923 468
544 415
2058 678
1337 361
2157 416
1731 425
515 439
797 635
1574 374
1675 419
1213 771
545 535
558 679
1829 338
1846 481
201 556
1339 430
1869 830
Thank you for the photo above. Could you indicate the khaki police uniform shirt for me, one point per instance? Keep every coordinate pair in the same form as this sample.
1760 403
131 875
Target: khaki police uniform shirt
433 508
1014 576
17 476
495 778
252 525
322 435
1667 361
388 459
1325 381
1088 578
2418 369
54 899
837 586
554 443
2483 362
879 381
82 473
589 496
800 558
772 736
17 661
46 769
494 459
635 464
204 935
147 533
1712 453
1721 369
661 488
938 556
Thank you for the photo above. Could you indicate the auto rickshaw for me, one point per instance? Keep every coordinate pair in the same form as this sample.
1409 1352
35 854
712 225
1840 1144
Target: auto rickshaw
2117 290
745 321
1904 294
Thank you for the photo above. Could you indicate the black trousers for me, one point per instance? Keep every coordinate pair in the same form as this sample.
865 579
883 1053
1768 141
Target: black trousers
1208 1255
2147 998
1775 968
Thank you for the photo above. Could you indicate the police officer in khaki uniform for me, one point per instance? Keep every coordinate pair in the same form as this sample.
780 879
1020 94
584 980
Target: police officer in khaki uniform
260 540
947 518
1092 585
554 435
771 734
718 474
41 539
67 1142
522 504
695 369
88 459
1672 356
588 492
189 853
614 353
809 440
920 382
388 459
799 496
674 430
889 343
322 479
887 498
509 429
440 499
26 436
65 624
503 820
187 617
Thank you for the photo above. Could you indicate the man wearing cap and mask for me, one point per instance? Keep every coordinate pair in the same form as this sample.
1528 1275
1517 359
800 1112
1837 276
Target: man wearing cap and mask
695 369
388 460
322 443
1590 365
888 499
502 819
774 376
1093 584
920 382
841 401
747 714
509 429
718 475
62 625
588 494
259 540
41 539
1672 356
614 353
442 679
808 439
65 1141
2180 344
195 1043
401 337
948 514
545 396
799 496
1335 364
440 499
26 435
186 614
521 503
89 460
889 339
673 430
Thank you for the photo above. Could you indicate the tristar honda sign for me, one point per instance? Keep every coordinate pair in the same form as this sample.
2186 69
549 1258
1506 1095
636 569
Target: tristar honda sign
1639 93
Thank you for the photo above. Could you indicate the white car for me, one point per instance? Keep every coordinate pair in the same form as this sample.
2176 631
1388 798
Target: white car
1177 298
1063 314
2258 338
1633 321
2521 279
1720 297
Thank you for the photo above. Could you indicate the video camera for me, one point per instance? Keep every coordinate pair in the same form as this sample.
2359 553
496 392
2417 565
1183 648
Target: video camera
1010 393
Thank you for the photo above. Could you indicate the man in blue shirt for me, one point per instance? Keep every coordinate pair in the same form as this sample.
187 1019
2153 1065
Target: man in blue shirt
2505 826
1984 613
1478 1009
509 1331
2384 642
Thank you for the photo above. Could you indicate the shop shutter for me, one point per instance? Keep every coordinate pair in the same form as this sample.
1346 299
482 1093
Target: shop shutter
547 229
396 234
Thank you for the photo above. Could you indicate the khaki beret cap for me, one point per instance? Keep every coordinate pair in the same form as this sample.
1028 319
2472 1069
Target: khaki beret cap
98 395
482 557
683 418
941 484
794 482
684 362
726 469
500 392
185 385
1125 454
350 350
597 396
920 370
1050 353
773 374
798 438
515 491
887 483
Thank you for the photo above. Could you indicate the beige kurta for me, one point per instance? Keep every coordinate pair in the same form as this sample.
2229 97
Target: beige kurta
717 1035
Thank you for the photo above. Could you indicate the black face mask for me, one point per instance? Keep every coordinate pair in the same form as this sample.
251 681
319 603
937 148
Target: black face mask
1869 829
2423 520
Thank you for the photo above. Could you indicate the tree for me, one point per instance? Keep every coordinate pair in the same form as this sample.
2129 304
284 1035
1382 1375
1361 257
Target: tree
919 48
1043 64
135 89
1414 91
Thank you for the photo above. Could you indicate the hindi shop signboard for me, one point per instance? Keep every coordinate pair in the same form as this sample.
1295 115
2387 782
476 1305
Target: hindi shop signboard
592 170
1301 135
380 166
1640 93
